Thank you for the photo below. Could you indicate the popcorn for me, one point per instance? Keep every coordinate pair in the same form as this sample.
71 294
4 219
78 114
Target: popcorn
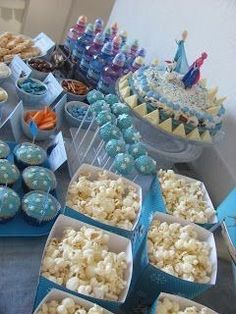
176 250
184 199
167 306
111 201
68 306
82 262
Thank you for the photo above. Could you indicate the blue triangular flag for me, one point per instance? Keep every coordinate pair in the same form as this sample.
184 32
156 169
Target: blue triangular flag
33 128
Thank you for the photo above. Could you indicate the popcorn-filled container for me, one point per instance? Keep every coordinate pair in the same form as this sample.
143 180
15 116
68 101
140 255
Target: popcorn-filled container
86 169
59 295
183 303
116 244
157 202
151 281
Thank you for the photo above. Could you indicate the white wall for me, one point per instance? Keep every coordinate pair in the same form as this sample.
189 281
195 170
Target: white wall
212 28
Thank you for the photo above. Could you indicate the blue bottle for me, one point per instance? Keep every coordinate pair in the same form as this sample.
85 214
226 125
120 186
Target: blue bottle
98 63
91 51
82 42
111 73
107 35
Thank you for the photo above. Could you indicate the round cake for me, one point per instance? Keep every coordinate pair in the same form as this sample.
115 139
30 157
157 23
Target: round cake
162 98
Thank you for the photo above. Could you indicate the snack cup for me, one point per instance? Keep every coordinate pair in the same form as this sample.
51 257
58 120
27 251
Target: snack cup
39 75
183 302
86 169
59 295
153 280
116 244
157 202
74 97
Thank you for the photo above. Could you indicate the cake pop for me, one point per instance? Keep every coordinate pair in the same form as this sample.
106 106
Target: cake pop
119 108
109 131
104 117
111 99
94 95
124 121
124 163
114 147
99 106
136 150
131 135
145 165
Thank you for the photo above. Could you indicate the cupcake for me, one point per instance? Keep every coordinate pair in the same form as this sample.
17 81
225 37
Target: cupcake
39 207
39 178
29 154
9 173
9 204
4 150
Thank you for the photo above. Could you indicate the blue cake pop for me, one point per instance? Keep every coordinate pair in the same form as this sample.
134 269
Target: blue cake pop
131 135
111 99
94 95
136 150
99 106
109 131
124 163
104 117
145 165
119 108
124 121
114 147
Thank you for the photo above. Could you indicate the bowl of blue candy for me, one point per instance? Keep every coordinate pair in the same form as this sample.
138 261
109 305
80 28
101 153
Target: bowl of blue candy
75 112
31 91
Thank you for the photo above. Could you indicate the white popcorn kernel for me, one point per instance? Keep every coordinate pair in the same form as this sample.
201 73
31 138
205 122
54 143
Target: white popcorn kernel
72 283
68 303
61 309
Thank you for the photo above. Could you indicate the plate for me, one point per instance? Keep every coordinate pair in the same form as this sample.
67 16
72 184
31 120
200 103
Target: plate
18 227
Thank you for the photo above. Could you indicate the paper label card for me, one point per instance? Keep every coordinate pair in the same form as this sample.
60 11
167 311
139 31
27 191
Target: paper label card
15 121
43 42
59 109
19 68
54 88
57 152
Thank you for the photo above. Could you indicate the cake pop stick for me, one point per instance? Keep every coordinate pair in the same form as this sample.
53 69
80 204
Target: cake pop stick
107 161
90 145
100 147
85 134
79 128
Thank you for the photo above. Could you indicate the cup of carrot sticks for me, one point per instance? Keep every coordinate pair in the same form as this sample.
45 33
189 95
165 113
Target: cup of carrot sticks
45 119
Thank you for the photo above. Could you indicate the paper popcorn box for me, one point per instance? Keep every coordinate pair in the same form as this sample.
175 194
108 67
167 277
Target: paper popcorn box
156 200
59 295
84 169
183 302
153 280
116 244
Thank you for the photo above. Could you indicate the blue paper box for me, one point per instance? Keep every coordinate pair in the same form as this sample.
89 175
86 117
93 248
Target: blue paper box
59 295
152 281
92 171
183 303
158 203
116 244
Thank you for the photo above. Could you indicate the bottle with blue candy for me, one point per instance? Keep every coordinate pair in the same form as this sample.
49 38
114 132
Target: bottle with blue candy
133 53
116 44
82 42
98 63
91 51
138 62
111 73
98 26
76 31
123 35
141 53
114 30
107 35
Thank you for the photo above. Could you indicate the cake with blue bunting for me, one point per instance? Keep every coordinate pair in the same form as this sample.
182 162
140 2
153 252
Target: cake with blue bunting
174 99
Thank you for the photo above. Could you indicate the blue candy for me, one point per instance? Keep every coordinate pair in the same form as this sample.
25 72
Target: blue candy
111 99
94 95
109 131
114 147
124 163
119 108
145 165
131 135
104 117
124 121
136 150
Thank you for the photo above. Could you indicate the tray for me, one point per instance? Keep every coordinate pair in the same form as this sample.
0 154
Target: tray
18 227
